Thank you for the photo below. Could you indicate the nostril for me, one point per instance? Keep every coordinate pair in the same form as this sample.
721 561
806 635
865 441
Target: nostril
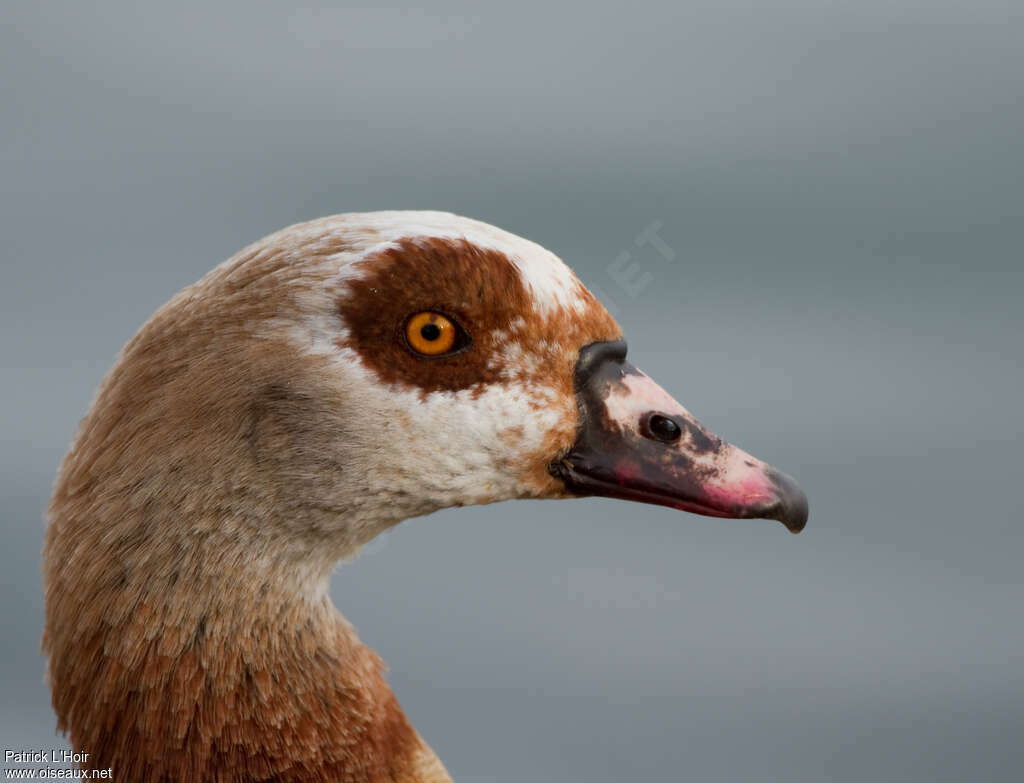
660 427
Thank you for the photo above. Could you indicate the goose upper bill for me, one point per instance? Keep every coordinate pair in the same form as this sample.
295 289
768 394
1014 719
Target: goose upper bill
637 443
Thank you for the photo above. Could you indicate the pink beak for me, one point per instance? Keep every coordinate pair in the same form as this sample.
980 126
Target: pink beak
637 443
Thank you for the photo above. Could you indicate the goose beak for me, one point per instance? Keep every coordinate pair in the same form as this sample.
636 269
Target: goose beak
637 443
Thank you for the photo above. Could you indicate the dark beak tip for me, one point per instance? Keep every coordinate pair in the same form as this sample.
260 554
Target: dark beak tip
792 508
797 522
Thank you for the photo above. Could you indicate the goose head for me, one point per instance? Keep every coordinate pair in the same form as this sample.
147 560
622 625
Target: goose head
481 370
324 384
346 374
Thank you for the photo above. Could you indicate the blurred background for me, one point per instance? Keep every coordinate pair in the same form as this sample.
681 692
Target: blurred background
807 216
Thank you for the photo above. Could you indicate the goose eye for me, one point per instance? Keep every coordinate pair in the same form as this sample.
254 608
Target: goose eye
432 334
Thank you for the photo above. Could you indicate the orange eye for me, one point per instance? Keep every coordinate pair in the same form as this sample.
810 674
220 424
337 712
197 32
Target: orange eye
431 334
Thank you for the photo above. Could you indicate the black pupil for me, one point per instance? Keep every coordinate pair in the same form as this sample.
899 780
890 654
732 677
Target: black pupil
430 332
663 428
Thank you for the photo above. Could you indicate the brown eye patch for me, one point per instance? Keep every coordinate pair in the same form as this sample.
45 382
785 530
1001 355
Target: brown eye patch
479 289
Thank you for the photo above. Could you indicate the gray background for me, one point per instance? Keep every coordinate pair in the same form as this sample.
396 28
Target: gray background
843 186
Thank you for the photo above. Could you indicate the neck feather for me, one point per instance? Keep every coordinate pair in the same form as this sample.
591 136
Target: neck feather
244 671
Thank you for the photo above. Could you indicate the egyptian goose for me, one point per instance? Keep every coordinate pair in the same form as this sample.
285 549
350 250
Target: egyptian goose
324 384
